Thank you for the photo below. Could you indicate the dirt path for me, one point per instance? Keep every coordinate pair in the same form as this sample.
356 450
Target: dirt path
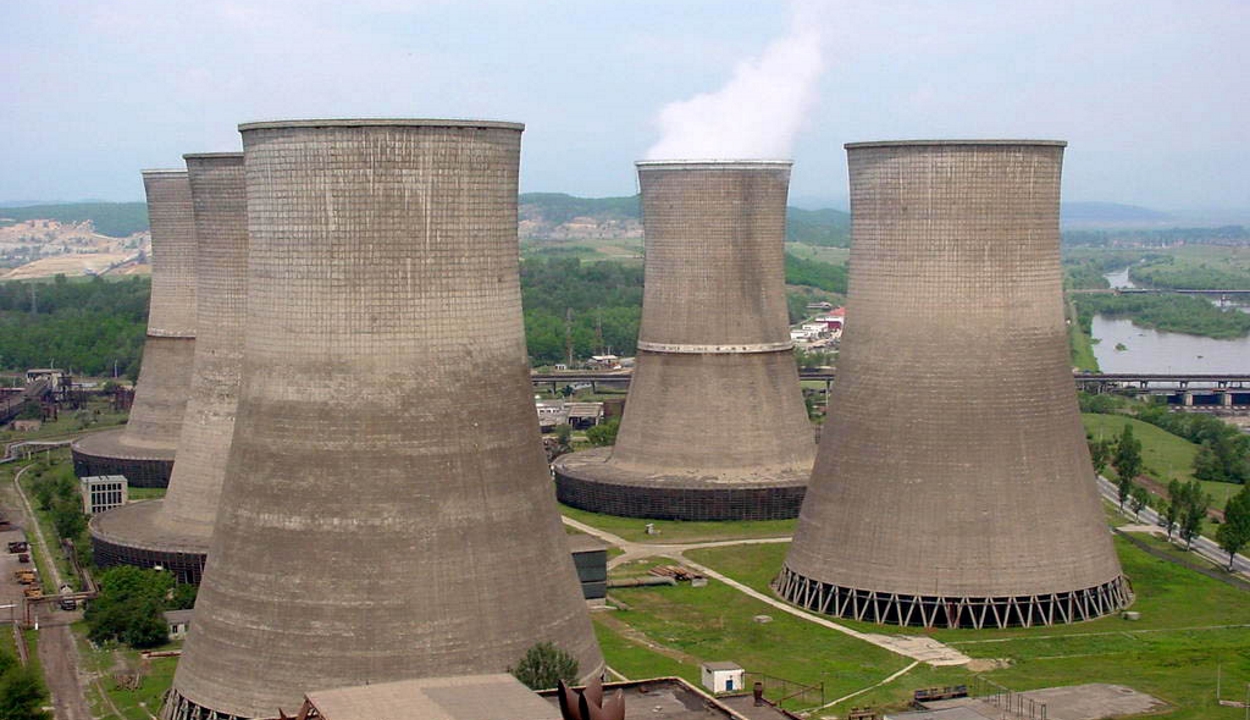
60 669
923 649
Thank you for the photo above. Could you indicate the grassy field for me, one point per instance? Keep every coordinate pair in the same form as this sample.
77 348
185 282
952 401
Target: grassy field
139 493
627 250
106 697
1172 652
831 255
1081 346
1165 456
677 531
98 415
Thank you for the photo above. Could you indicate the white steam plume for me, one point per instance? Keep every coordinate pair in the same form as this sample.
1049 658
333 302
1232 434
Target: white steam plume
756 114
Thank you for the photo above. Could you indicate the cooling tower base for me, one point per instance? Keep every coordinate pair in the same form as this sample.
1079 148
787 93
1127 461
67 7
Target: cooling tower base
951 612
587 481
178 707
134 535
107 453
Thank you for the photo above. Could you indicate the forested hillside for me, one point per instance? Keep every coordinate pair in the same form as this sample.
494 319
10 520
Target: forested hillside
83 325
112 219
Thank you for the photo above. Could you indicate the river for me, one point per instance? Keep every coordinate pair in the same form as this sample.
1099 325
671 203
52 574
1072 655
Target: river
1152 351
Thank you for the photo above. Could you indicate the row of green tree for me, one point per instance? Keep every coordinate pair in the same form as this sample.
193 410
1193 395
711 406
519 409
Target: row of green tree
95 326
1170 272
1171 313
131 606
1186 505
22 692
90 326
1223 453
1224 235
591 308
56 492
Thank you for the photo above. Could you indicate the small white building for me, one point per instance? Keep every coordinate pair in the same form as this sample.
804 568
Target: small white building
719 677
103 492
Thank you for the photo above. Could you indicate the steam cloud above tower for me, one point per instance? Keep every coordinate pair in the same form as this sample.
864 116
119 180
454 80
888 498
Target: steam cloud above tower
758 113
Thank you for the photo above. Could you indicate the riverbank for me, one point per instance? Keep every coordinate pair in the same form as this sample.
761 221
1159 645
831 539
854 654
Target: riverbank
1169 313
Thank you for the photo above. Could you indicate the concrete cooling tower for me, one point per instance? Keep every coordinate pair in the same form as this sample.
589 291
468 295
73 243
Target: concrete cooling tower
953 486
386 512
174 532
143 451
715 427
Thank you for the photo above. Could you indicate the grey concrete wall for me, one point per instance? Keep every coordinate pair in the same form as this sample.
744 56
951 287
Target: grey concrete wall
386 511
144 450
220 204
976 480
715 278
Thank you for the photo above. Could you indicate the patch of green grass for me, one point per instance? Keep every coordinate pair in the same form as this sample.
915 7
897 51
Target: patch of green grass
831 255
98 415
635 661
1081 347
107 661
716 623
1171 653
677 531
144 493
1165 456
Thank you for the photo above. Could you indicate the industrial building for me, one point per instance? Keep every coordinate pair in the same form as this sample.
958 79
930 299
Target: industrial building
715 427
174 532
357 540
953 486
144 450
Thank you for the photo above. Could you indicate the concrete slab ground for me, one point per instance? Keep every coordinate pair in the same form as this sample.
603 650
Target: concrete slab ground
1094 701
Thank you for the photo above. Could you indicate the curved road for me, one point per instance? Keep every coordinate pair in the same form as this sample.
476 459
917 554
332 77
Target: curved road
1203 545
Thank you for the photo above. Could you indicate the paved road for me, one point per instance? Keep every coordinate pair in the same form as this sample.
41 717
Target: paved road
1203 546
57 653
922 649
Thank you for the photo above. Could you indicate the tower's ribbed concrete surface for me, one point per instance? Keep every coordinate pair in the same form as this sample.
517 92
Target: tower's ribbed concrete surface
715 427
953 486
143 451
386 512
174 532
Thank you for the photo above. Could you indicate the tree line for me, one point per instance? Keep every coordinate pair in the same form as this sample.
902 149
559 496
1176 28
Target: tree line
588 308
87 325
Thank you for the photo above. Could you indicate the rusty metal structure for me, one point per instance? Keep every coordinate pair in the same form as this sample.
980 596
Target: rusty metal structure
144 450
715 427
174 532
969 501
377 521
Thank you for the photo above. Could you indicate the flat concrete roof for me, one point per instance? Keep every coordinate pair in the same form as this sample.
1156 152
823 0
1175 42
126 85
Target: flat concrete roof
461 697
900 143
380 122
163 171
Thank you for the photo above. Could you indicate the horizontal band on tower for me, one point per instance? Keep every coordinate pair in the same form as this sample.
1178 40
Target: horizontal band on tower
174 334
683 349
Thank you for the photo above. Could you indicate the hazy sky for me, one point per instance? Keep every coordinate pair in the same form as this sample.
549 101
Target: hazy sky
1153 96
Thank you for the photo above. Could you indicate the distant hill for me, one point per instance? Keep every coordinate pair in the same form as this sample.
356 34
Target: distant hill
1107 213
113 219
542 216
561 216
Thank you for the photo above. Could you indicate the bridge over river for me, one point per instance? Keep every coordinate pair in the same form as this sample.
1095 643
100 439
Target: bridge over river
1225 390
